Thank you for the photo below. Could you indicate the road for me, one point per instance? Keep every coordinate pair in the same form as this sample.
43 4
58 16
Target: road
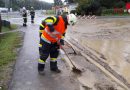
95 34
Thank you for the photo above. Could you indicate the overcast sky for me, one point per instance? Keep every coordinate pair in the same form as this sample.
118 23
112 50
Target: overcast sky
50 1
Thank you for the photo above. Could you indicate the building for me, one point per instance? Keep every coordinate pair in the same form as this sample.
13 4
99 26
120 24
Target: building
65 8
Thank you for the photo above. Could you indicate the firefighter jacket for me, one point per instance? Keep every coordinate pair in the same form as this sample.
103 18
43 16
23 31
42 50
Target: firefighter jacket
24 13
32 12
53 28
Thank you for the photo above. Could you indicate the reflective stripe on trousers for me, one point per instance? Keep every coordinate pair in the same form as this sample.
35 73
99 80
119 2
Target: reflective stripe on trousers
41 61
53 59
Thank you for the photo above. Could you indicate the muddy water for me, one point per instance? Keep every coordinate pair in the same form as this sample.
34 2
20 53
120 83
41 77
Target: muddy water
111 37
117 53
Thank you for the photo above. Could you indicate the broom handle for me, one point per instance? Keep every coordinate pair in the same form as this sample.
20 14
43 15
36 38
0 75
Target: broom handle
58 42
66 54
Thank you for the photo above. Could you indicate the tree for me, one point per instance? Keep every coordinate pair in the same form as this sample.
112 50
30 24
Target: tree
70 1
2 3
88 7
108 3
17 4
57 2
120 4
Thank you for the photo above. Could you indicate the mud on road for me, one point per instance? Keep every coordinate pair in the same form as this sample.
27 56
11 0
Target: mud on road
108 37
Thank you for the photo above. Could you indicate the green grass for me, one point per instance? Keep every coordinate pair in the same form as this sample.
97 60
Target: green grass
8 44
5 29
50 12
13 27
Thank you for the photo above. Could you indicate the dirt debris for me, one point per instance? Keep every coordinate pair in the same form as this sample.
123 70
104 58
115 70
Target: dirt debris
102 86
110 39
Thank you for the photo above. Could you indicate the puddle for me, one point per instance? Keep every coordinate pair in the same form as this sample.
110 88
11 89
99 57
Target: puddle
117 53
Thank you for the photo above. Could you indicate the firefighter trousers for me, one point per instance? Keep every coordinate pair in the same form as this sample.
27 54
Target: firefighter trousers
46 50
32 19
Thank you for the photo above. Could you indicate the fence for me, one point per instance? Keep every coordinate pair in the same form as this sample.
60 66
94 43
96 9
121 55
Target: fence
87 17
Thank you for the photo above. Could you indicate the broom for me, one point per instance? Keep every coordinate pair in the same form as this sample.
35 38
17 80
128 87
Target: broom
74 68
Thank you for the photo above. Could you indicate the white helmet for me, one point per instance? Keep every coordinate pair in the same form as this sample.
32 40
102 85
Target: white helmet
24 8
72 19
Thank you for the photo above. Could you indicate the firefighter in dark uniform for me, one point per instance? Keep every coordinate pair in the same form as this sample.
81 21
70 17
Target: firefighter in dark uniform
52 32
24 14
32 13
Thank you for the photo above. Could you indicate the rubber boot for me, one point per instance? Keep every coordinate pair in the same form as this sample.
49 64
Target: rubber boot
24 24
41 68
32 21
53 67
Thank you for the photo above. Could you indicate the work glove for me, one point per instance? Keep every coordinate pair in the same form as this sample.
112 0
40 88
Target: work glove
61 41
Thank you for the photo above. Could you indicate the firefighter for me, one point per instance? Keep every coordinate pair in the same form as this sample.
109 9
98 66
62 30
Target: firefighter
24 14
52 32
32 13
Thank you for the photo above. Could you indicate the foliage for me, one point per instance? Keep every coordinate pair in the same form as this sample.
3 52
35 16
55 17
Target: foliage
73 11
120 4
17 4
2 3
115 13
88 7
96 6
108 11
71 1
108 3
58 2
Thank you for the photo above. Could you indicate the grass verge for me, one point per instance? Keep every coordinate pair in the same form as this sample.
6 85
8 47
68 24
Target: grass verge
13 27
8 44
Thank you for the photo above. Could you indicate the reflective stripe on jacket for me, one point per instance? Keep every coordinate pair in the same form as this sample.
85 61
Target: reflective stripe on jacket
57 34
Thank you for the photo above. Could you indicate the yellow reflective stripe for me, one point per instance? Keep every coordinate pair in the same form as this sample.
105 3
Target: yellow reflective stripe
41 61
62 37
53 59
40 45
44 36
42 25
40 31
49 21
54 18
